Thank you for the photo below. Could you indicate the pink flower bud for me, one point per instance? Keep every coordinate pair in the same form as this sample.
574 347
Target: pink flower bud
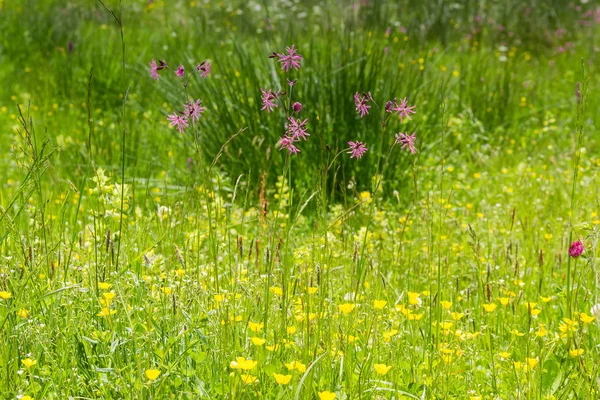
576 249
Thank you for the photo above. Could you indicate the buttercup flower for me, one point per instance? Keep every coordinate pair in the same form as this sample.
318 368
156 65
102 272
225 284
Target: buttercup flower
326 395
282 379
152 374
382 369
28 362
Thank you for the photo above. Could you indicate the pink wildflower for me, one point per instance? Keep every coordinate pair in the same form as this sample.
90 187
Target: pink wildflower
361 104
267 99
357 149
291 83
296 128
179 121
292 59
576 249
194 110
204 68
297 107
406 141
288 144
403 109
180 71
154 70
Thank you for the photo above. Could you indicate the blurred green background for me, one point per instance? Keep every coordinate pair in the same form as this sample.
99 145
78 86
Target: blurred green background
507 70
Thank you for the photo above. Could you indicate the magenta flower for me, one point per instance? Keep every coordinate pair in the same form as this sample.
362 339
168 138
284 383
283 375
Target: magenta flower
357 149
361 103
297 107
576 249
267 99
296 129
291 83
204 68
288 144
292 59
193 110
403 109
388 106
178 121
406 141
154 70
180 71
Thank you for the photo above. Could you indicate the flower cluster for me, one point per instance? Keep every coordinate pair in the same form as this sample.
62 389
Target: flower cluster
192 109
402 109
296 129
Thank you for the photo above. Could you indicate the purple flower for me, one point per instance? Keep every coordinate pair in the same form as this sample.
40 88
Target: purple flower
70 47
180 71
296 129
403 109
154 70
576 249
361 103
204 68
267 99
406 141
297 107
357 149
388 106
291 83
178 121
193 110
292 59
288 144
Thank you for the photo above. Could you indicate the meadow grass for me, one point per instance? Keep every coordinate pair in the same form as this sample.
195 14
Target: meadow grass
141 263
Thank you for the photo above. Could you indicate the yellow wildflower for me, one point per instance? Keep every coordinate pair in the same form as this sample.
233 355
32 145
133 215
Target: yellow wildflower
346 308
379 304
296 365
575 352
282 379
248 379
326 395
382 369
152 374
242 363
257 341
28 362
413 299
490 307
255 326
